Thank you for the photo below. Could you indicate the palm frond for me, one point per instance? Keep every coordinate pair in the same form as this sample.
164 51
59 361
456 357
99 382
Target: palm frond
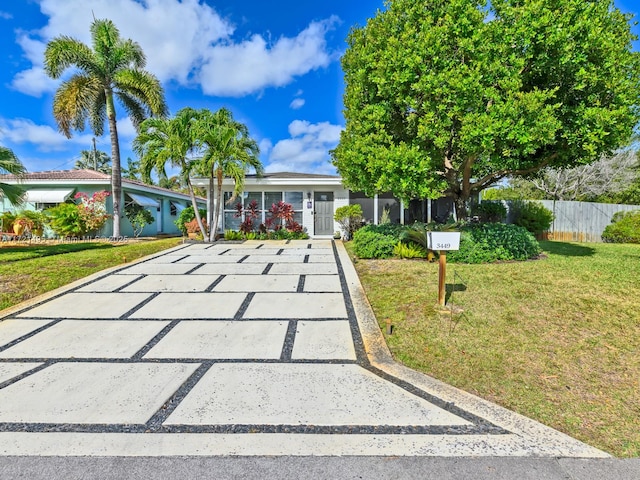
74 101
64 52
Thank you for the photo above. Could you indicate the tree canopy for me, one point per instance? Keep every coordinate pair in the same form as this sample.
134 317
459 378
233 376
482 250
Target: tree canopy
112 69
171 141
227 151
448 97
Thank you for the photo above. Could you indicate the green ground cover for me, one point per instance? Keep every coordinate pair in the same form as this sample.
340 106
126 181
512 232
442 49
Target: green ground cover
30 270
555 339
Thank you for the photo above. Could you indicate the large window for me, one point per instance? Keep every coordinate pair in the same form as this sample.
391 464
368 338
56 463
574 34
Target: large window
264 200
365 202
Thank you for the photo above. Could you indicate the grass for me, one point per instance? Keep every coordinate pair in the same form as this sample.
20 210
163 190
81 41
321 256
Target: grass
28 271
555 339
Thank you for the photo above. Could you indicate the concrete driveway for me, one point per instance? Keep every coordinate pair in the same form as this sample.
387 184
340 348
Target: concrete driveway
259 348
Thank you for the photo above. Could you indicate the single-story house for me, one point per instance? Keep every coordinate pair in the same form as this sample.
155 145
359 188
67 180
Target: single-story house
315 199
48 189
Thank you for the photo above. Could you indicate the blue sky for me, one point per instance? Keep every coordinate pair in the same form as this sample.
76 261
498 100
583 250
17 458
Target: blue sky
275 64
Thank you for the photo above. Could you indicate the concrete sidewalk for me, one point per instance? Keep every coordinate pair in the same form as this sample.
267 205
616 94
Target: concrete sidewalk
252 349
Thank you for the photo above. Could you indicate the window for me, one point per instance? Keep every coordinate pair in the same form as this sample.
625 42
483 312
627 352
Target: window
264 200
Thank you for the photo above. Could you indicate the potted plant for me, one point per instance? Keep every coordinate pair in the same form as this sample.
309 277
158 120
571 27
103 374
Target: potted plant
37 221
22 225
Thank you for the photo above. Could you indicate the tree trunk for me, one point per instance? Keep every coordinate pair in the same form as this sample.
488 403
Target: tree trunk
116 175
213 226
216 215
461 208
195 209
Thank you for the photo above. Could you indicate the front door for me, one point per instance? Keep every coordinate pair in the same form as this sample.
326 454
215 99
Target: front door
323 214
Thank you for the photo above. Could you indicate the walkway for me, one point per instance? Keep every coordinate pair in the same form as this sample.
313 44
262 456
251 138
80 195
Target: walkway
259 348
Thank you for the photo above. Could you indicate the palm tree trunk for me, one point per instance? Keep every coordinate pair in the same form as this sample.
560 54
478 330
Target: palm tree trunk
214 227
192 194
210 212
116 175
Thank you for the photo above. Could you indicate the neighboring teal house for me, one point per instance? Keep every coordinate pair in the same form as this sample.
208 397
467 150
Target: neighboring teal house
48 189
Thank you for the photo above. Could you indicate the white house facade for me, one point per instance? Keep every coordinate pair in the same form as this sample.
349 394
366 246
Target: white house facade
315 199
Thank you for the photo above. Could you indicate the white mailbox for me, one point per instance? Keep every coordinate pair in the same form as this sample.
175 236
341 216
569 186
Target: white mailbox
443 240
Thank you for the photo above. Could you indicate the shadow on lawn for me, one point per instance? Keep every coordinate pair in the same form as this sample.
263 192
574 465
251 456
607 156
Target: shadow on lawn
567 249
25 252
453 287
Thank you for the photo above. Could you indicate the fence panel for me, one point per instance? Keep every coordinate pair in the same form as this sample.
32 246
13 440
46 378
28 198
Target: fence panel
581 221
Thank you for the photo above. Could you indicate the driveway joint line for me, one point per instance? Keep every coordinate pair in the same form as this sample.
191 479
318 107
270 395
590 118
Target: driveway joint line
214 284
154 341
126 315
289 340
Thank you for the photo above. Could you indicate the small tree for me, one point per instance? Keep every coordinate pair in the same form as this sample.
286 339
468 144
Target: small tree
139 217
350 219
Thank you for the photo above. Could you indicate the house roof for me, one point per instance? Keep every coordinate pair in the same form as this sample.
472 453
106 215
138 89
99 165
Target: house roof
281 179
60 175
293 175
86 176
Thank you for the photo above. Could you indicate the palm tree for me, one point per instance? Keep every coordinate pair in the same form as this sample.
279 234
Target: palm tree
228 151
10 164
94 160
173 141
112 69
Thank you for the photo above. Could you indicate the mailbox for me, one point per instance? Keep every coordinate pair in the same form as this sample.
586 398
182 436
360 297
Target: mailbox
443 240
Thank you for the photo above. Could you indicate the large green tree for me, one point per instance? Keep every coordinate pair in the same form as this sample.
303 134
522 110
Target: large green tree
9 164
227 151
112 69
451 96
171 141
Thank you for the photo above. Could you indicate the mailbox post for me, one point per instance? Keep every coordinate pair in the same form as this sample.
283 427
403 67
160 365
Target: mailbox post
443 242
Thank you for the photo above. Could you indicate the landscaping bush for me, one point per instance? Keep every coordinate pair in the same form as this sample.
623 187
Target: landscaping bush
186 216
409 250
532 215
492 242
349 217
139 217
488 211
371 241
65 220
625 228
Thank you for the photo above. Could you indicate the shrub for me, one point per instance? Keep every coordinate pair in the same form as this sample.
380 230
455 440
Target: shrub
625 228
409 250
65 220
350 219
371 242
186 216
139 217
7 219
532 215
93 210
491 212
490 242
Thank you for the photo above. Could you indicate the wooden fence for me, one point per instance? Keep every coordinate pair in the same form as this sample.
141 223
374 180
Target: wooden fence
581 221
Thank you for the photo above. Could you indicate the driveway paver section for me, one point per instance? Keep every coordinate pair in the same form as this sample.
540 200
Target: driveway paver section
254 348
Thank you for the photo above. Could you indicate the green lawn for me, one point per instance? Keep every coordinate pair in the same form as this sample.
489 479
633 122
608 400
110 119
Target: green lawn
555 339
30 270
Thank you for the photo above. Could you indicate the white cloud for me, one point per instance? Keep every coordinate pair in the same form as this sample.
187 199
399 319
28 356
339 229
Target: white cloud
185 41
307 150
297 103
5 15
43 137
253 65
265 146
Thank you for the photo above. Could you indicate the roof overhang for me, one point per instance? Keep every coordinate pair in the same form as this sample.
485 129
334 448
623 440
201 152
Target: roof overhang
48 195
